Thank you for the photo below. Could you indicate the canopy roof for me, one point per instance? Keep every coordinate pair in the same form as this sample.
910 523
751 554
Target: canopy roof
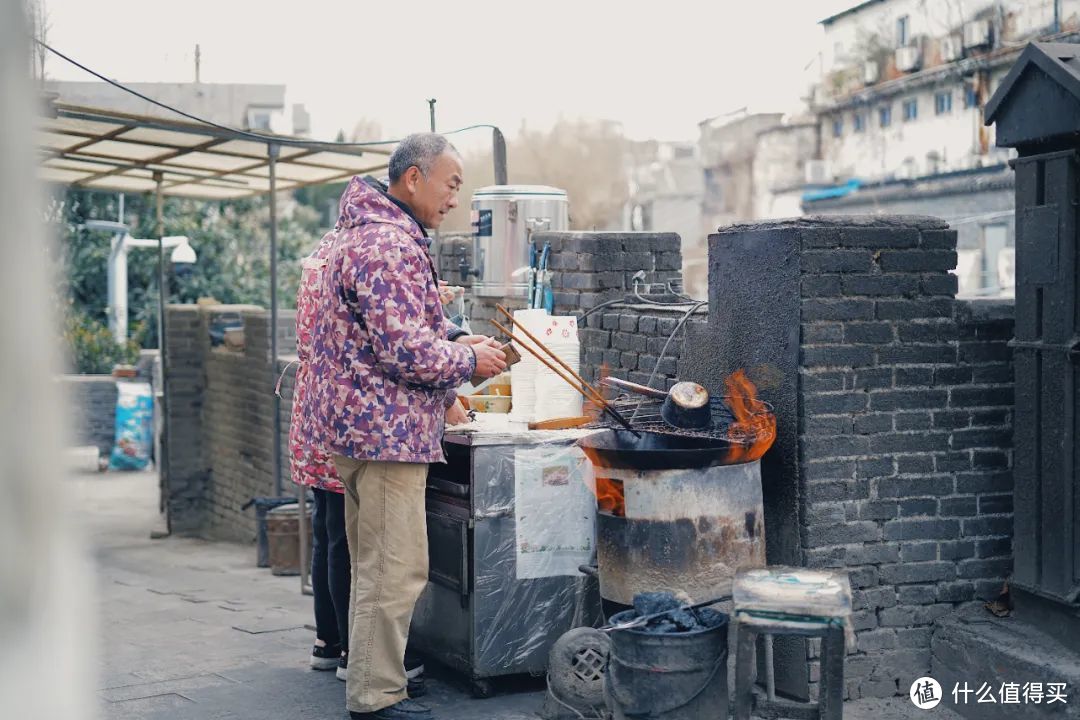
102 149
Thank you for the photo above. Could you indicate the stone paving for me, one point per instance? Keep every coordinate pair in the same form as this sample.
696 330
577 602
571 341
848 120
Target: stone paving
192 630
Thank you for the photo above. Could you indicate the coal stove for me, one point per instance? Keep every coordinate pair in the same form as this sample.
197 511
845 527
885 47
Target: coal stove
679 510
677 518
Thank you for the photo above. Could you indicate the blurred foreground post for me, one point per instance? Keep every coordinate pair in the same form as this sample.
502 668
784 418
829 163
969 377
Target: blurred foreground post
46 601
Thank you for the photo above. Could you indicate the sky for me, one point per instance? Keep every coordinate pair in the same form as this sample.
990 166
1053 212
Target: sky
658 68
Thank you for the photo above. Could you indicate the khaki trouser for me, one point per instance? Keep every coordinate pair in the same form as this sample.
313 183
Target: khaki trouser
387 531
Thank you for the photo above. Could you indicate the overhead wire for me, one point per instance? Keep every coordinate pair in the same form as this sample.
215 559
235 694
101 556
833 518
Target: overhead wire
686 299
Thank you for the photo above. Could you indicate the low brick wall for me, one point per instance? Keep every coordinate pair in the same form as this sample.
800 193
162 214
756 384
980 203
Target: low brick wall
221 410
628 341
91 400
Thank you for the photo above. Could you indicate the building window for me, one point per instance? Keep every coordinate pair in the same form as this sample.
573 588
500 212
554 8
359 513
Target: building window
859 122
911 110
837 128
902 31
943 102
885 115
970 98
259 120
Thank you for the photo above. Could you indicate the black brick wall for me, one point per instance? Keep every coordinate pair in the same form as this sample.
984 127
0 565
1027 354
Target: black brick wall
899 441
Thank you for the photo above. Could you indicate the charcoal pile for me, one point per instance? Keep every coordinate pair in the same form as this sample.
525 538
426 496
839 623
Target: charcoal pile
675 617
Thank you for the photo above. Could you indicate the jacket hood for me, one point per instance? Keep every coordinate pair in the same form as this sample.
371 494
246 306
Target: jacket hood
364 201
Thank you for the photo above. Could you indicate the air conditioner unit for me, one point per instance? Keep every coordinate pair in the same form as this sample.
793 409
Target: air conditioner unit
871 72
818 172
952 48
908 58
977 34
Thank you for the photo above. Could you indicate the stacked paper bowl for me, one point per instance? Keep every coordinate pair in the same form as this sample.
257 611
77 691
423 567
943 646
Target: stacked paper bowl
555 398
523 374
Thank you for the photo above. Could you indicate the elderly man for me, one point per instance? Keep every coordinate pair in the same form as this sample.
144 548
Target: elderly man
386 364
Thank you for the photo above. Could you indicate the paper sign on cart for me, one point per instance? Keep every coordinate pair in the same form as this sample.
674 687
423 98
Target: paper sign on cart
554 510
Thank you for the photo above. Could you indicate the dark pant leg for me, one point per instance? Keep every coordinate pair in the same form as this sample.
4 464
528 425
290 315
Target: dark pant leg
326 625
339 565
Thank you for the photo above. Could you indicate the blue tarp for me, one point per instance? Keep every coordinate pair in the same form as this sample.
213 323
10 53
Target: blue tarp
832 192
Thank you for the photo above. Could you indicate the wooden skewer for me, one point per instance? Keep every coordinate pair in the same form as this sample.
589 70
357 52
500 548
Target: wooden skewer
580 388
597 397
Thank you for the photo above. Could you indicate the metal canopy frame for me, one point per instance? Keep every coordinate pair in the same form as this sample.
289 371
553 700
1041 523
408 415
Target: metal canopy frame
99 149
110 151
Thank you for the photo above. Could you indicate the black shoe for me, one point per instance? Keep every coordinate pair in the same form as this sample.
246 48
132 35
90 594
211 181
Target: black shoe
404 710
342 667
414 673
325 657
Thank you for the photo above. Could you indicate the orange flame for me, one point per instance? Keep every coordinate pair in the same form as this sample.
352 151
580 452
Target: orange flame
609 497
608 491
754 429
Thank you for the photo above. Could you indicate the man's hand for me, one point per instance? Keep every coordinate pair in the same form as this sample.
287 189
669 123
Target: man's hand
490 359
456 415
448 292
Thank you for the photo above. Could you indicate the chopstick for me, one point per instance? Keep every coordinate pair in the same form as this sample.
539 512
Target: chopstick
599 398
594 396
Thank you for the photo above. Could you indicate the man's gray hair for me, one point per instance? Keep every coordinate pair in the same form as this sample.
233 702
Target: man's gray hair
419 149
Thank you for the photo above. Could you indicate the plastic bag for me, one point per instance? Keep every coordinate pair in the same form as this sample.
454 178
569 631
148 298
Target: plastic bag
460 318
134 426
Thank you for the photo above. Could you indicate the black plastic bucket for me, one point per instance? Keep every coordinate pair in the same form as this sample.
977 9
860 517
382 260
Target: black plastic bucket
674 676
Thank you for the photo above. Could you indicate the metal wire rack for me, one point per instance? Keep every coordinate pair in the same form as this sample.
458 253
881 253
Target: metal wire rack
644 414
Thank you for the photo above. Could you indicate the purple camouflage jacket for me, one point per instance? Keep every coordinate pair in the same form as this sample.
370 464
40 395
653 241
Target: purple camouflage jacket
381 358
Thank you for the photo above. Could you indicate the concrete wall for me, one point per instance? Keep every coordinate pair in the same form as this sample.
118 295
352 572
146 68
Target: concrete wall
780 164
904 146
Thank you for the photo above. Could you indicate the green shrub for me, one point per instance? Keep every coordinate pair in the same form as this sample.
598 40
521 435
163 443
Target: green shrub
91 348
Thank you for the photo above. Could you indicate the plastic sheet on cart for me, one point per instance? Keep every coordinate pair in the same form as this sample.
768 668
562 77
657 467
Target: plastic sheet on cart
554 511
534 521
